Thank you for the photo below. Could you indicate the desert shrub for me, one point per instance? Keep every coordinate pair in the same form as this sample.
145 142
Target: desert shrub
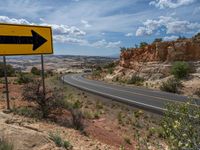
10 70
5 145
34 92
123 49
27 111
135 80
110 65
56 138
158 40
180 70
143 44
49 73
67 145
181 126
120 118
77 119
127 140
98 68
110 70
181 38
171 85
77 104
35 71
24 78
96 73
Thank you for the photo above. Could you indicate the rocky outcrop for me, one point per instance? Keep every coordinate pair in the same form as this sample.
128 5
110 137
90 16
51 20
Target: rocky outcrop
179 50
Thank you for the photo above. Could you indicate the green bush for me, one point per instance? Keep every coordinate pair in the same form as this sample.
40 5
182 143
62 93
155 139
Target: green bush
110 70
171 85
180 70
96 73
77 119
181 126
59 141
158 40
35 71
28 112
33 92
5 145
24 78
10 70
110 65
143 44
135 80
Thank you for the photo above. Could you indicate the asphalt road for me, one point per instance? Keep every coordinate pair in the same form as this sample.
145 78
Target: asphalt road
148 99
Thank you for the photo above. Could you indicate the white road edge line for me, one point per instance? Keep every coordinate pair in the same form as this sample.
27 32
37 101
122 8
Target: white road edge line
117 97
160 98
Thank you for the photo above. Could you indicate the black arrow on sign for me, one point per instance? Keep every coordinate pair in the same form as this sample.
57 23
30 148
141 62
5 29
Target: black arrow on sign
36 39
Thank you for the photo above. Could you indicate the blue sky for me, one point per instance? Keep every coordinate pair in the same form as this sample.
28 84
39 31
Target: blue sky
101 27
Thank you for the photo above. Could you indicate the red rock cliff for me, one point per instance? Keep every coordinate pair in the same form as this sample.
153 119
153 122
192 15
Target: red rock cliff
179 50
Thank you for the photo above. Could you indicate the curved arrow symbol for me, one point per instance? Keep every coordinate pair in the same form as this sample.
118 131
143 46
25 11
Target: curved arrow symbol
36 39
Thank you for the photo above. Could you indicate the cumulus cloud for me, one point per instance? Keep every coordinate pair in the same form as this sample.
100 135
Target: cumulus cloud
170 38
57 29
170 3
6 19
65 34
64 29
98 44
113 44
129 34
69 40
169 24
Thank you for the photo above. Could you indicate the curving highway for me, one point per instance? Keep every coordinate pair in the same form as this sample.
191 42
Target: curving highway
148 99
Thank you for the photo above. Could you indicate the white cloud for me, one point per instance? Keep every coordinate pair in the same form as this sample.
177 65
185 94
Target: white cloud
69 40
129 34
113 44
100 15
57 29
6 19
65 34
85 23
64 29
97 44
168 24
170 3
170 38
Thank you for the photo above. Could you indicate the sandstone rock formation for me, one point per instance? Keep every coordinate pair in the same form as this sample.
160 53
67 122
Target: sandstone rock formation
179 50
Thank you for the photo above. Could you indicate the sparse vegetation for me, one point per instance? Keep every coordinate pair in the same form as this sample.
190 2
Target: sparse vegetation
158 40
24 78
10 70
5 145
96 73
180 70
77 119
59 141
181 126
34 92
127 140
27 111
135 80
143 44
35 71
171 85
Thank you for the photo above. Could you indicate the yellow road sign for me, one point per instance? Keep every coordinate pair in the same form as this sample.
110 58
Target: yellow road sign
25 40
